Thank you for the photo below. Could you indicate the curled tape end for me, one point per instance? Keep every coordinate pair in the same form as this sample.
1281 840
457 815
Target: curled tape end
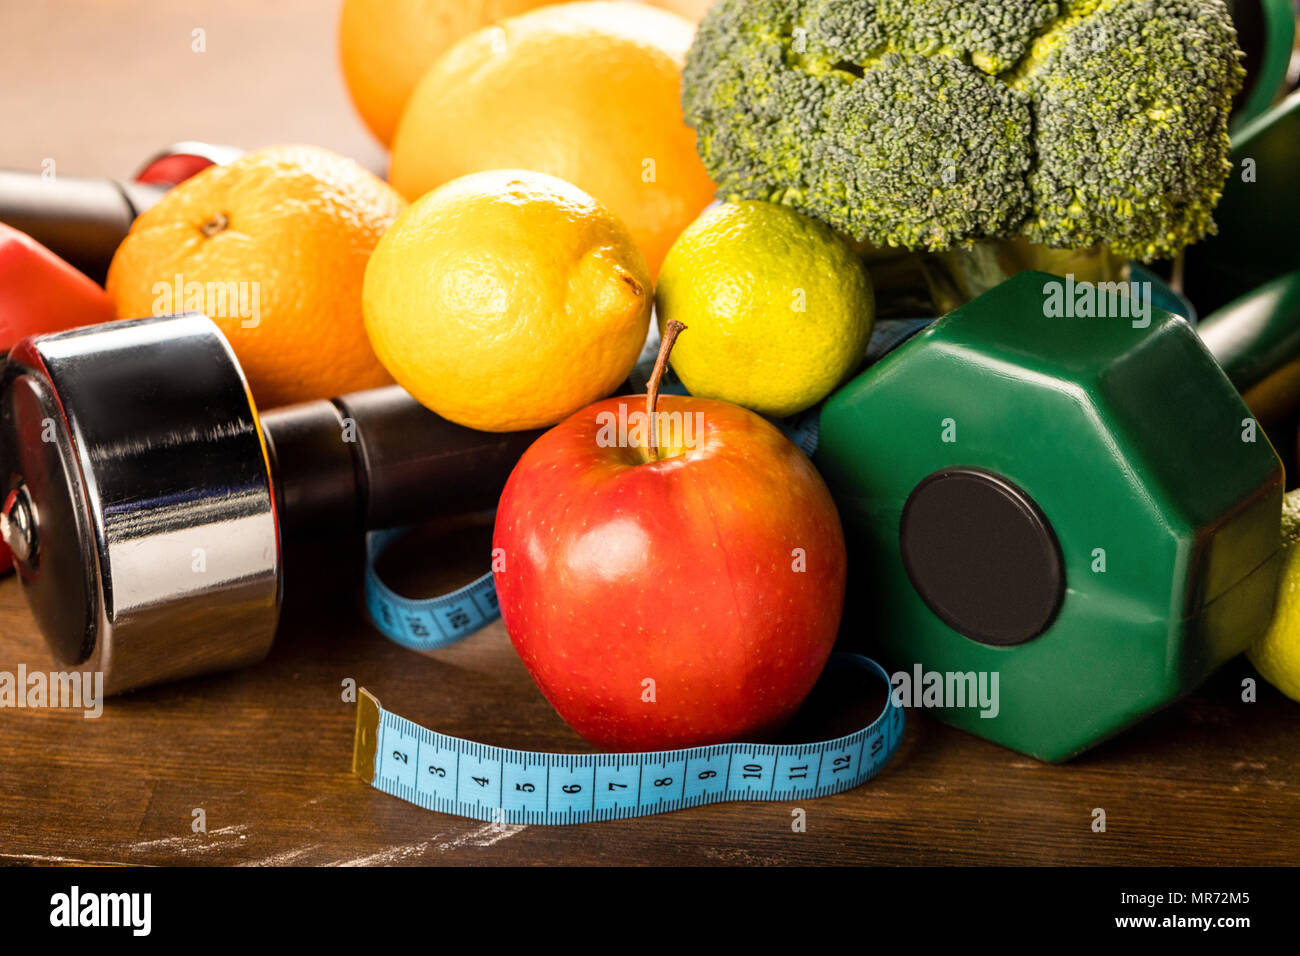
366 741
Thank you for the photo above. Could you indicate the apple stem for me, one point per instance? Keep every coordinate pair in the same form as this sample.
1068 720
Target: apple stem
671 331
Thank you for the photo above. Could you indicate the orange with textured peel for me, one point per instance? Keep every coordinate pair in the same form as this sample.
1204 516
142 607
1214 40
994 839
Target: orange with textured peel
273 247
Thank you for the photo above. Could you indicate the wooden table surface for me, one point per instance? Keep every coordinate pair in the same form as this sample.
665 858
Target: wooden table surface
265 753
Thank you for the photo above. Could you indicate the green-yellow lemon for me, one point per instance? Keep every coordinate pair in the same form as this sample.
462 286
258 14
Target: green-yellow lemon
779 308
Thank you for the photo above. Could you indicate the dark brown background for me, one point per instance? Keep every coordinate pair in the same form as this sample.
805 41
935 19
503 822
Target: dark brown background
265 753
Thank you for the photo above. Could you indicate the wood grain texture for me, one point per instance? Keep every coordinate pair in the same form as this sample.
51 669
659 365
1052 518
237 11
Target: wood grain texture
265 753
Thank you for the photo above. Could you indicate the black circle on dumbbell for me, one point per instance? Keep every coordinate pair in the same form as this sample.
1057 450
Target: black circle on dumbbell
982 555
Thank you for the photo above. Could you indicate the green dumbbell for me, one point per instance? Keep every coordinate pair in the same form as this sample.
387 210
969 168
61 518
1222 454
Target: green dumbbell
1082 506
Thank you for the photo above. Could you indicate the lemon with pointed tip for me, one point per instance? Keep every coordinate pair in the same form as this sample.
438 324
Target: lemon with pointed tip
507 300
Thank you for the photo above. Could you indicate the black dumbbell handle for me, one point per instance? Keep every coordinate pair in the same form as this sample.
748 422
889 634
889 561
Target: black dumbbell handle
378 459
81 220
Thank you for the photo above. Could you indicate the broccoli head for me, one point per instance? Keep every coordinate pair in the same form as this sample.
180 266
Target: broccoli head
925 124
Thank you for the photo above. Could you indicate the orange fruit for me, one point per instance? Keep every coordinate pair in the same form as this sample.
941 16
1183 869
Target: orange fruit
386 45
273 248
587 92
507 300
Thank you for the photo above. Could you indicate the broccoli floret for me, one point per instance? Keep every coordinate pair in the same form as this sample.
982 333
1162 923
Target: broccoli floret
992 35
833 32
1132 100
965 143
925 124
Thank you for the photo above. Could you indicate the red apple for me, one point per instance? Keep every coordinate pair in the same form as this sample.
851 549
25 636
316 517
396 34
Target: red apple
715 572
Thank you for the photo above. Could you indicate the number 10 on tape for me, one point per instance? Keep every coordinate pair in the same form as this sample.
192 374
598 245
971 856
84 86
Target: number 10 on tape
468 779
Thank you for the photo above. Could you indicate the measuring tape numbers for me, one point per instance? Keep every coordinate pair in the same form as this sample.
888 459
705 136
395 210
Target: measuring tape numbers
426 624
474 780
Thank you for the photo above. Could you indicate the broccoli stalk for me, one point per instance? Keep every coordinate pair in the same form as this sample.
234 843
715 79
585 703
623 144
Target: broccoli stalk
935 124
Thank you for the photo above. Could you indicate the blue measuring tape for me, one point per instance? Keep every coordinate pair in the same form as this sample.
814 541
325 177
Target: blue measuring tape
458 776
429 623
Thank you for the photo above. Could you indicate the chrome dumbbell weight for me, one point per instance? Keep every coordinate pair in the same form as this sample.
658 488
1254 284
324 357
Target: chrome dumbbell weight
145 499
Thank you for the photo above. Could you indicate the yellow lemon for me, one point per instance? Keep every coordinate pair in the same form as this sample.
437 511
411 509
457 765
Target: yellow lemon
1276 655
507 300
779 307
